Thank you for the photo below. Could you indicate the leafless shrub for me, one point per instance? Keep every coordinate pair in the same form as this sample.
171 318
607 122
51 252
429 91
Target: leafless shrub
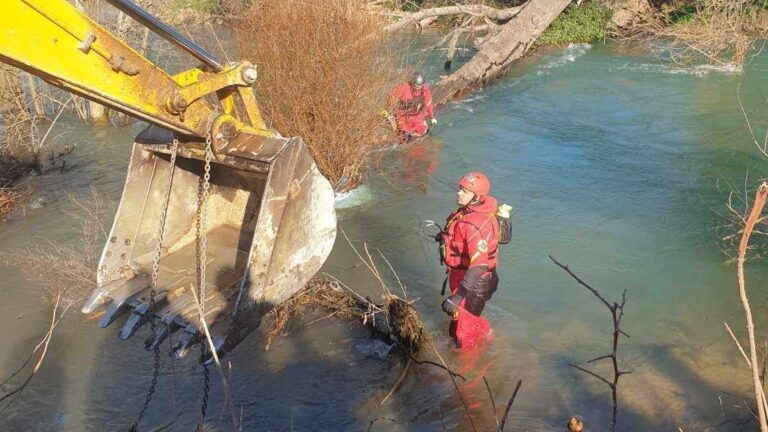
325 71
20 137
617 313
10 198
69 270
713 31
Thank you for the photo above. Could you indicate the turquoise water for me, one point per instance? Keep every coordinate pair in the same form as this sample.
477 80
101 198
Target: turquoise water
616 164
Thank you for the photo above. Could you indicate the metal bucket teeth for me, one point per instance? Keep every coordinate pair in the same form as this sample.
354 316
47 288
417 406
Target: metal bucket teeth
271 225
137 319
162 331
123 299
115 310
104 293
182 347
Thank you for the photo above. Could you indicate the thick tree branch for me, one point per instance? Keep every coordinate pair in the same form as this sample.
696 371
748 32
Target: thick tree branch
473 10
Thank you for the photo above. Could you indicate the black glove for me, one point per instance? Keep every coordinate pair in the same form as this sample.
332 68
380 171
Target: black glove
451 304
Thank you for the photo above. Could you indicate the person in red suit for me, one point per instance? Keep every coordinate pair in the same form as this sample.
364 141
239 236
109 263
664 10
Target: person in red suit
409 102
469 247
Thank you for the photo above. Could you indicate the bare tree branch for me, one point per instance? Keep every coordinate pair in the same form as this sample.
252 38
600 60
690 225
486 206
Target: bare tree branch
474 10
509 405
759 202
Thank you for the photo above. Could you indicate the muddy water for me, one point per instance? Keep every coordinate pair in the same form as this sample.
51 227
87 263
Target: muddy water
616 165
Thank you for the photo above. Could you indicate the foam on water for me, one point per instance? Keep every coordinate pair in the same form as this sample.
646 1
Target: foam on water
357 197
568 55
695 70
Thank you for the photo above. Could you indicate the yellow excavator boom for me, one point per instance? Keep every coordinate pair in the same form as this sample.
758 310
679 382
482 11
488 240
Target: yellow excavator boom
207 177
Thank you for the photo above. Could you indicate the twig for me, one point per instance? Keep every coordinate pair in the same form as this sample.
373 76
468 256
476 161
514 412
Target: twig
44 343
738 345
493 403
509 405
215 355
445 368
759 202
399 381
456 386
370 425
617 313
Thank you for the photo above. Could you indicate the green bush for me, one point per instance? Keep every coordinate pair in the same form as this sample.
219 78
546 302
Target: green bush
583 23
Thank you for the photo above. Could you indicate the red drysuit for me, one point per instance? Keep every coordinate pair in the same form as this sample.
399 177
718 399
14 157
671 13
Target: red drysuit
409 105
470 252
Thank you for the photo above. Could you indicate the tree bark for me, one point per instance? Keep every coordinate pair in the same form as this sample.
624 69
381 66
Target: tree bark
499 51
476 10
37 103
759 202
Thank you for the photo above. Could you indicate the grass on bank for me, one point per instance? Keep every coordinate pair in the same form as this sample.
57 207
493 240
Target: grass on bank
583 23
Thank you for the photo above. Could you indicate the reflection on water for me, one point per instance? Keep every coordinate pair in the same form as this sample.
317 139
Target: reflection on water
612 162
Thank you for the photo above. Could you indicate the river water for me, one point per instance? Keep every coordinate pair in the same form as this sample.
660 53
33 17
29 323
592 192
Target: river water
617 164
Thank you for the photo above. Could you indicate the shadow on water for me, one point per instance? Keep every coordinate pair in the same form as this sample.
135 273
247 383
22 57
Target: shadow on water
666 392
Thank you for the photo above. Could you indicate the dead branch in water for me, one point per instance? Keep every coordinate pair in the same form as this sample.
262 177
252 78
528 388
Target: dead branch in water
617 313
395 319
757 208
55 320
500 426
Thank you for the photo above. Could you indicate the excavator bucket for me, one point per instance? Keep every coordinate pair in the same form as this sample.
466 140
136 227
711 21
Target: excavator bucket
270 226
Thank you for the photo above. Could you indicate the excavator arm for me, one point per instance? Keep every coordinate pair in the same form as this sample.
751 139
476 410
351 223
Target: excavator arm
221 219
55 41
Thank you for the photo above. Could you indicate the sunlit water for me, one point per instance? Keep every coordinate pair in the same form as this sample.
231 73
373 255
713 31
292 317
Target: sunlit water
616 165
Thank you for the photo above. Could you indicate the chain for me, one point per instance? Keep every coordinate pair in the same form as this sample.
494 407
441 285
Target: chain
201 225
203 216
153 286
206 385
203 192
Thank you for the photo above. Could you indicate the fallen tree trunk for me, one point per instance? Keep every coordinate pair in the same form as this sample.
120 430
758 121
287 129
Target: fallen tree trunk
474 10
500 50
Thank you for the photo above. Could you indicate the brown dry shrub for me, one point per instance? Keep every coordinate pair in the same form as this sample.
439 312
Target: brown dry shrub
10 198
711 31
325 71
69 270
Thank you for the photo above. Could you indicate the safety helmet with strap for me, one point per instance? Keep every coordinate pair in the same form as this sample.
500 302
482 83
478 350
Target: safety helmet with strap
476 182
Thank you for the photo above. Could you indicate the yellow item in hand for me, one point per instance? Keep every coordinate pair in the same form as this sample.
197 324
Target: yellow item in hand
505 211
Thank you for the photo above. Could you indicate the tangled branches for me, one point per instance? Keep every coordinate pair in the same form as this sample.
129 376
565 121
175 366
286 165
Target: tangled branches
394 319
325 71
720 32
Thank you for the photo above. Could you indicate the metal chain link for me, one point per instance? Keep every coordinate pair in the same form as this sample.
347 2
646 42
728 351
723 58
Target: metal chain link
204 220
206 384
203 193
153 286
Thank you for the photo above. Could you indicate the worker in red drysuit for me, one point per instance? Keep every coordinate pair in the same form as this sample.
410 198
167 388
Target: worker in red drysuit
409 101
469 247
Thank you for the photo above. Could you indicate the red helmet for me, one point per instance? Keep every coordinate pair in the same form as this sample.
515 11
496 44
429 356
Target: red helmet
476 182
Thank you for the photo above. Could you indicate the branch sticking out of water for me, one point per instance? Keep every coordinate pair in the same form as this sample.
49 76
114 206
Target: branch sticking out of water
55 319
617 313
757 208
